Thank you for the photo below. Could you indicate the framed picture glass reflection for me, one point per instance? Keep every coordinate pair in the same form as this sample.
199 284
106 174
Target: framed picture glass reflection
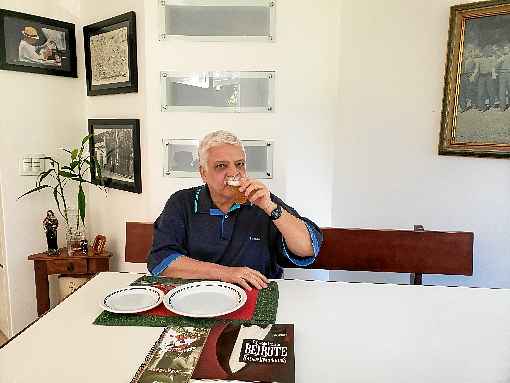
30 43
115 144
110 56
476 101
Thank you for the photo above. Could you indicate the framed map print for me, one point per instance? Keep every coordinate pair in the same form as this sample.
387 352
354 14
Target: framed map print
110 56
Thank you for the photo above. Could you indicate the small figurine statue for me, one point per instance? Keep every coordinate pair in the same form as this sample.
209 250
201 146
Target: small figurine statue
50 225
84 246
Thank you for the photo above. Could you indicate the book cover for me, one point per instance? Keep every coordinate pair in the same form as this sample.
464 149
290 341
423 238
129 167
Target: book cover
248 353
173 357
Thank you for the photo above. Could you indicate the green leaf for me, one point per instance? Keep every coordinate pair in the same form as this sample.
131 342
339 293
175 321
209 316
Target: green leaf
81 204
43 175
67 174
74 164
74 154
97 166
86 138
38 188
51 159
83 142
55 196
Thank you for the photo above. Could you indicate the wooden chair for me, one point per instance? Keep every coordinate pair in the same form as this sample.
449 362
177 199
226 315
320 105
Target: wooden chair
401 251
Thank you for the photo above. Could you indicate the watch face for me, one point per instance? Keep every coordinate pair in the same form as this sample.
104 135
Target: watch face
276 213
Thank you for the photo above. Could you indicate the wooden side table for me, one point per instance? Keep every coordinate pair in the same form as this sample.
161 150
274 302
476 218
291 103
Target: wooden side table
62 263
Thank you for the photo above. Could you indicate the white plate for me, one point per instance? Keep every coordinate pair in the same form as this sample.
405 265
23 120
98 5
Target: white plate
205 299
132 299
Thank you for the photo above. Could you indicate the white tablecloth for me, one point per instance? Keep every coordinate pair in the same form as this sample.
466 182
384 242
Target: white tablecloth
344 332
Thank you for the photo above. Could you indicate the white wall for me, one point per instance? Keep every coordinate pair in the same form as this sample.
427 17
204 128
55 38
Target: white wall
5 312
305 60
39 114
356 123
388 173
108 213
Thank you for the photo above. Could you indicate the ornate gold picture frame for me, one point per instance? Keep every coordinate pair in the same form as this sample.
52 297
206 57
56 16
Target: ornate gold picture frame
475 119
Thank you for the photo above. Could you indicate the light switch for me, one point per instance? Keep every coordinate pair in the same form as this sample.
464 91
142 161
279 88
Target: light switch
32 165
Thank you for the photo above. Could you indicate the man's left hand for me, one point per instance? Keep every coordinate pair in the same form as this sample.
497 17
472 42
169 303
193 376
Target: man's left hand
257 193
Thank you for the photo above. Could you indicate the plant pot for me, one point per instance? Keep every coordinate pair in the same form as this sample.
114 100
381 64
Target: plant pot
76 237
74 240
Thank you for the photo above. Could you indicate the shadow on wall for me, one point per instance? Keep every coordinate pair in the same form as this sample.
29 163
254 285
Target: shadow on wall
4 292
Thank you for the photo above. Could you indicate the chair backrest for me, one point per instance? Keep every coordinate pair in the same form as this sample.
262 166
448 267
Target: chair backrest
138 241
401 251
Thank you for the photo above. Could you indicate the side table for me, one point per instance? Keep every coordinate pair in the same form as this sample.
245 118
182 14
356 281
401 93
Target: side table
62 263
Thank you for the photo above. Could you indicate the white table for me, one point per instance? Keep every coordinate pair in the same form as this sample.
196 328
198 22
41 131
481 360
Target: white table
344 332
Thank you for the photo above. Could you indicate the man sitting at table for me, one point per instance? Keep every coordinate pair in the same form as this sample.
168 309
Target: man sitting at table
205 232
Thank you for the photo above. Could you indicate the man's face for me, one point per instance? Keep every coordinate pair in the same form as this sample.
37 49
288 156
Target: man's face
223 161
31 40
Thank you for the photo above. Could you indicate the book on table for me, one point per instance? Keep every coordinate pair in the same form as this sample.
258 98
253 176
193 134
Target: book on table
226 352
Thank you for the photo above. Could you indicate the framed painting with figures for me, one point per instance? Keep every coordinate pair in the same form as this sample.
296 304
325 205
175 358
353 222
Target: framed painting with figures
115 144
110 55
476 114
35 44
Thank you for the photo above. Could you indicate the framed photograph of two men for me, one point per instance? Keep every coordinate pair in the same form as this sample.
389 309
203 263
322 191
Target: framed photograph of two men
30 43
475 119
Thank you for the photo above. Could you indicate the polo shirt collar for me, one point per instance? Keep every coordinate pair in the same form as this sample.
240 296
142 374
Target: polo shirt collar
205 205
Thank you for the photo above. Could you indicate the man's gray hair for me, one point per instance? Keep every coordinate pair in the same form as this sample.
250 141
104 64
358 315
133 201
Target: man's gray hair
219 137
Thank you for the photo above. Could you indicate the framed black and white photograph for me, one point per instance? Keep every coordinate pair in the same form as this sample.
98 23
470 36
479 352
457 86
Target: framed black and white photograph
477 81
115 144
30 43
110 56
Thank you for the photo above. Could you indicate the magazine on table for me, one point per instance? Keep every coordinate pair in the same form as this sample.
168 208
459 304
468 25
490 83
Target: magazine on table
173 357
228 352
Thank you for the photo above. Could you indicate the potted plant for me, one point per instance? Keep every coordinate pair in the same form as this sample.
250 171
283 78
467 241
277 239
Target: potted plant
58 177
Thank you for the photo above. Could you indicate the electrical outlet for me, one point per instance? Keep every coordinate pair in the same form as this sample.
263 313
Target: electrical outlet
32 165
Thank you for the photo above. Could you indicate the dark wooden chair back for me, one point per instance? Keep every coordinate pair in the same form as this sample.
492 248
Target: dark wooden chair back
401 251
138 241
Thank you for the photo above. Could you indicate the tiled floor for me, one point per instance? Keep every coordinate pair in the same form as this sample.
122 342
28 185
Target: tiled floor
3 338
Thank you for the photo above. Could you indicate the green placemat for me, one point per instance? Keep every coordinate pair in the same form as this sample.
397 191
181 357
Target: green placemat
265 310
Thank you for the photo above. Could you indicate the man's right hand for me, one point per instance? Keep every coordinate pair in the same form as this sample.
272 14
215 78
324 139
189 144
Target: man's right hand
244 277
189 268
46 53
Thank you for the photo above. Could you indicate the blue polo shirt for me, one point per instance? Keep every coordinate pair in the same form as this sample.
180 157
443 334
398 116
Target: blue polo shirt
191 225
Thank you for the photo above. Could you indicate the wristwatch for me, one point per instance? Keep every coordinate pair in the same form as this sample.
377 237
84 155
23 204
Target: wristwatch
276 213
